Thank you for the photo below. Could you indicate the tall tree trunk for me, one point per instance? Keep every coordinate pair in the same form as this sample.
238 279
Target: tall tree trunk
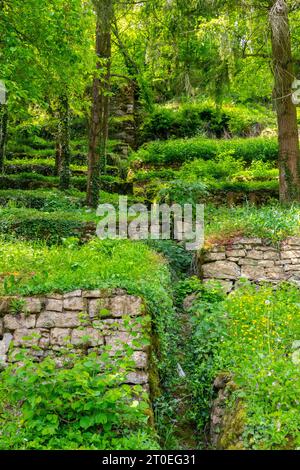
100 107
289 153
64 118
3 134
58 150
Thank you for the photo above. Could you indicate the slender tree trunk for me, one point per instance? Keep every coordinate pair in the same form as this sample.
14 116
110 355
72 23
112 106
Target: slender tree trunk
58 150
3 134
64 170
289 153
100 106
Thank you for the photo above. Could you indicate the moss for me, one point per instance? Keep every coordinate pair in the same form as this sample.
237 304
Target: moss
232 428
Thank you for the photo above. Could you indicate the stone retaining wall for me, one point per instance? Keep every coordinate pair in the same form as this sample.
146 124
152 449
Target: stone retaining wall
253 259
81 321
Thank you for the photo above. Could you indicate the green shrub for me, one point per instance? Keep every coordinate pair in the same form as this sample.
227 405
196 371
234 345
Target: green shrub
27 181
49 201
222 167
43 407
273 222
182 192
204 118
252 337
50 227
177 152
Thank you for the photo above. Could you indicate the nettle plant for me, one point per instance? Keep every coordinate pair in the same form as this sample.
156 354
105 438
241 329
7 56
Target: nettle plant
85 403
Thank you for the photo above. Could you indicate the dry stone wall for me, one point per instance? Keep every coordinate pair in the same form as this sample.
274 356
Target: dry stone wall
80 321
253 259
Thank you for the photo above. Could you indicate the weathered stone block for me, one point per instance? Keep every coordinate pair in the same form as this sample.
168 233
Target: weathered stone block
54 305
137 378
86 336
290 254
75 293
60 336
5 343
33 305
117 341
222 270
255 254
59 320
126 305
141 359
13 322
74 303
235 253
214 256
27 337
253 273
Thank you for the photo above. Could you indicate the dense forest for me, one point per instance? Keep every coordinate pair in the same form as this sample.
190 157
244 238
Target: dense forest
136 343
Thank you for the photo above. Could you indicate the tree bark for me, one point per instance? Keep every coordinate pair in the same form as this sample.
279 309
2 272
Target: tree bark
289 153
100 105
3 134
65 157
58 150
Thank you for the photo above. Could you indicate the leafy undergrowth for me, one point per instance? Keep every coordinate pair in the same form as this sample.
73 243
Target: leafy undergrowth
78 408
48 408
273 222
28 268
252 335
179 151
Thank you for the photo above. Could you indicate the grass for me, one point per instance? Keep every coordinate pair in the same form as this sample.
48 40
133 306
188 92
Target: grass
251 337
273 222
178 151
28 268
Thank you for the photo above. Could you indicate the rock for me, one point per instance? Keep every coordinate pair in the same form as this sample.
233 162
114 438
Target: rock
137 378
126 305
33 305
74 303
5 343
96 294
59 320
213 256
86 336
141 359
255 254
222 270
26 338
96 306
4 305
118 340
290 254
235 253
60 336
54 305
13 322
75 293
253 273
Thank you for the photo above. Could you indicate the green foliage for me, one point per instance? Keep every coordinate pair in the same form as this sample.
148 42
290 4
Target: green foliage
252 336
191 119
177 152
180 260
223 166
273 222
182 192
262 326
48 408
36 181
52 227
